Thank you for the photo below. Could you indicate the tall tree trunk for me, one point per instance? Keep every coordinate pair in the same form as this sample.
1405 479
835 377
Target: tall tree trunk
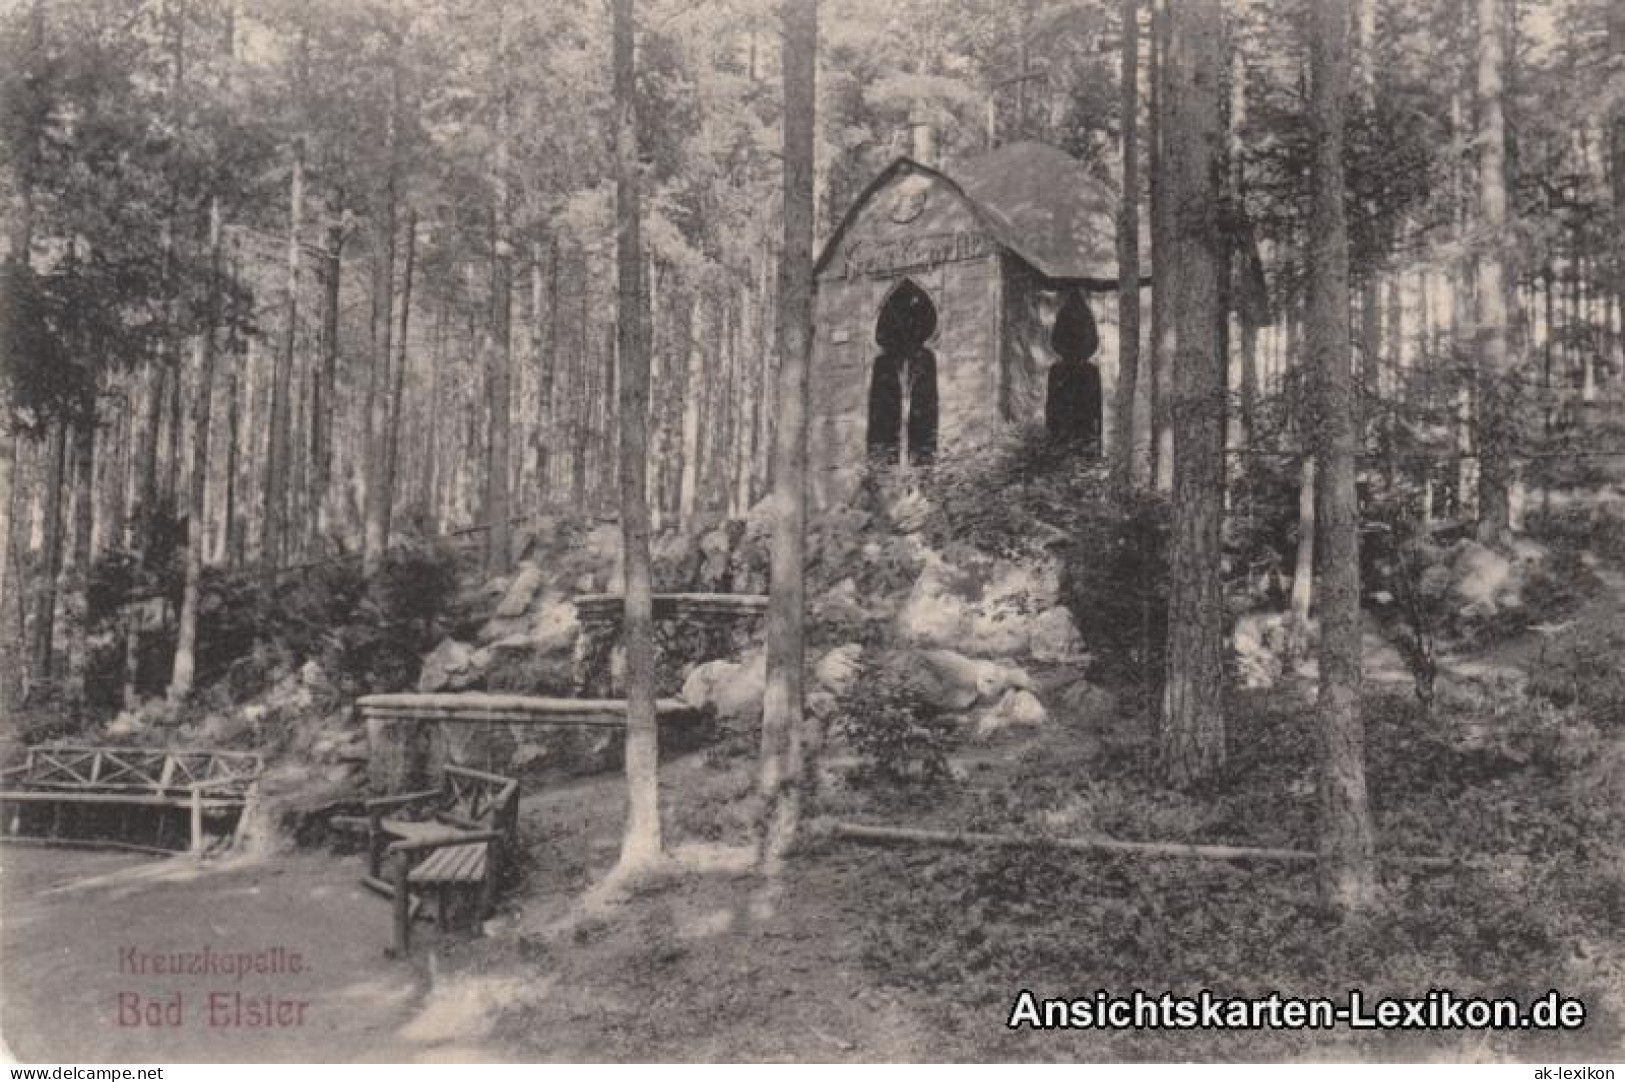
641 842
50 566
76 607
174 414
397 387
689 480
1164 304
20 256
1496 421
1616 169
544 350
498 509
146 459
185 664
1128 254
1347 867
1303 569
322 413
784 758
1193 728
233 526
375 527
273 525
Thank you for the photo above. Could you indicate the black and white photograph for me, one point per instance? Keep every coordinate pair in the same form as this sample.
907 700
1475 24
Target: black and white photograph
630 532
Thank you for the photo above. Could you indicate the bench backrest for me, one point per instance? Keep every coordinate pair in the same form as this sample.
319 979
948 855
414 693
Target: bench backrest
138 769
477 800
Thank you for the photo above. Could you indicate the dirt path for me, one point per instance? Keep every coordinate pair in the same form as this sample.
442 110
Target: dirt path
78 929
698 965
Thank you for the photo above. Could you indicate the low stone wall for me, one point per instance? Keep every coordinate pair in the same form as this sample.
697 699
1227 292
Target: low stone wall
690 629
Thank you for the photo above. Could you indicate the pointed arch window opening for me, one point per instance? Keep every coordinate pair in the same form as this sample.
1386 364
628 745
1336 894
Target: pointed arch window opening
903 400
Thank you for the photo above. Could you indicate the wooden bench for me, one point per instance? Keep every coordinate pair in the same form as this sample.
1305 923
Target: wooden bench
71 776
455 850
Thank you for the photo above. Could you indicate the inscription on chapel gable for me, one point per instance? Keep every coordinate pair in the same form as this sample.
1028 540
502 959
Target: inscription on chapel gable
890 255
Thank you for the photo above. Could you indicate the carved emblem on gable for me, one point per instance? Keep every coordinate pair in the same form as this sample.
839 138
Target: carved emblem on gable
907 205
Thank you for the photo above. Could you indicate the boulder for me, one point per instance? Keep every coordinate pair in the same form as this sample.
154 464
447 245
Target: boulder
998 630
551 627
1483 579
838 670
1054 637
935 612
701 688
452 666
126 725
676 560
1259 642
840 603
822 704
740 694
948 680
521 592
945 679
1016 708
715 547
219 729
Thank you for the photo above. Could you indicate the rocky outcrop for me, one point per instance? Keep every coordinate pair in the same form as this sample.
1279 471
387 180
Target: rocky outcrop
1016 708
1002 609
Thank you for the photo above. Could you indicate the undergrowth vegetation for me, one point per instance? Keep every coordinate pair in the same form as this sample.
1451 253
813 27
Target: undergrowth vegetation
1539 880
365 635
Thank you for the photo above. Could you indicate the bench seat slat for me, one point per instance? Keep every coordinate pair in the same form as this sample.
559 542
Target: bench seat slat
453 864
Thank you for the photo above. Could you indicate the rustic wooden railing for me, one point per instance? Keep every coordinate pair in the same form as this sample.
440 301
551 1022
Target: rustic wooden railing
64 776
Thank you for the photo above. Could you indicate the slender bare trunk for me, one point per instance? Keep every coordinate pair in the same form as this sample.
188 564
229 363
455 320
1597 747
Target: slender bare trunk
375 450
20 255
322 413
784 754
76 580
50 568
1192 740
1164 303
1347 866
397 388
1495 371
498 498
1303 570
641 842
273 526
1128 254
185 663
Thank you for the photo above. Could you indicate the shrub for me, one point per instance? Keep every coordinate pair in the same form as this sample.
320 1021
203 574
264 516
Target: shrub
1580 668
897 735
367 636
1114 580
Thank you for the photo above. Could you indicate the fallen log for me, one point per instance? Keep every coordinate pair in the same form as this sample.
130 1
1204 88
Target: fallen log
883 835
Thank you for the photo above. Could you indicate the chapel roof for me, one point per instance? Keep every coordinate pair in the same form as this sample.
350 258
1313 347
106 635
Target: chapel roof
1036 201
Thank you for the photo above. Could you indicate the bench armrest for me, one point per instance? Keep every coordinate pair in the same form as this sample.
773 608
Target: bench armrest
388 803
219 783
425 844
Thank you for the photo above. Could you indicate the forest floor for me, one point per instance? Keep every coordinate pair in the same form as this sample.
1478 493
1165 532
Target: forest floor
869 954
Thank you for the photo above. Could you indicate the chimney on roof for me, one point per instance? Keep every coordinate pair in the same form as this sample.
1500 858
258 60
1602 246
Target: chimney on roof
922 140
